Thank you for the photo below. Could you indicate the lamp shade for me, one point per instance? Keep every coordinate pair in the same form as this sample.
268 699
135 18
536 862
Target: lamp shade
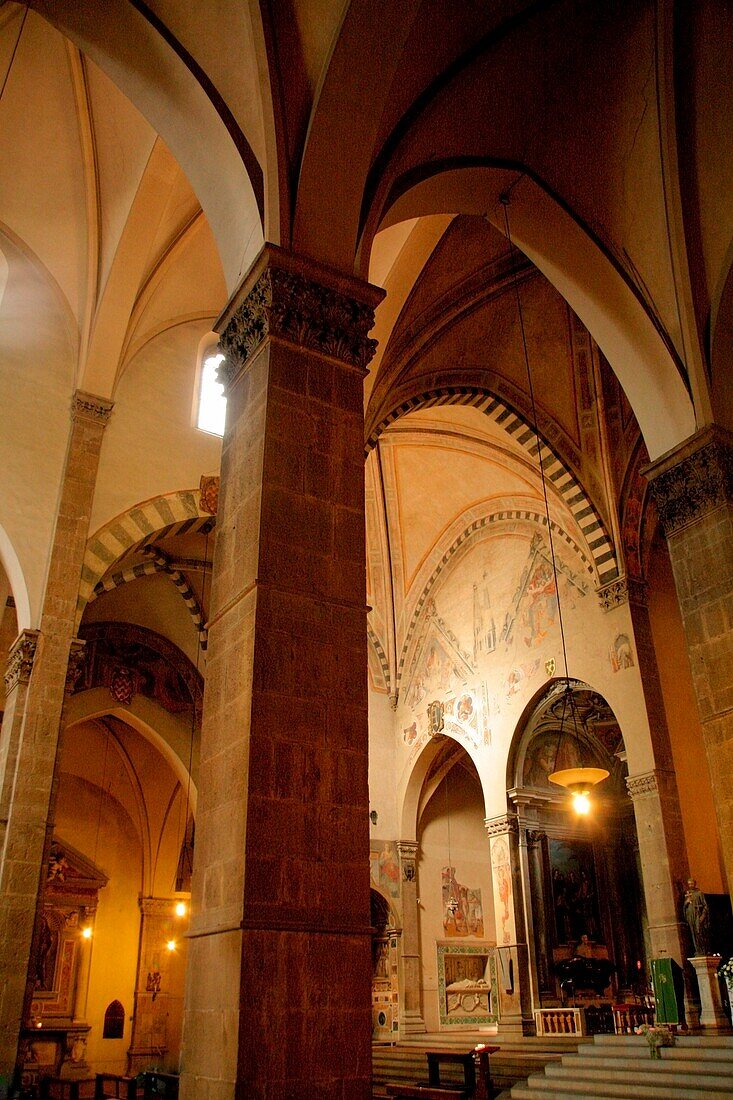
579 778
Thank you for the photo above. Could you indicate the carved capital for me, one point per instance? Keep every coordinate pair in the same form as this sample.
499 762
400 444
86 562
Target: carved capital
613 594
87 406
408 859
74 667
693 480
535 837
287 298
20 659
501 826
639 786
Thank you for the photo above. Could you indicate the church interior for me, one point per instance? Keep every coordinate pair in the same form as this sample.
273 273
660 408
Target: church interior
365 371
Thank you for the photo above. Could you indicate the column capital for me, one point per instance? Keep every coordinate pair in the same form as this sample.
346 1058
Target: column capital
20 659
639 786
502 825
408 850
87 406
620 591
288 297
693 479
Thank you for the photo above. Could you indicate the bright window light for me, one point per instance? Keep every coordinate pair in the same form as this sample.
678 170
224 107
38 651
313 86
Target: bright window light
212 402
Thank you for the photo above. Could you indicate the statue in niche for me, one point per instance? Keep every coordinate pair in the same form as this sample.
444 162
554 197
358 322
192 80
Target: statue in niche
697 916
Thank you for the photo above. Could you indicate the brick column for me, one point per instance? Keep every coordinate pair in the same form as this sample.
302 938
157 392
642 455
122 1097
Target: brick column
278 997
513 970
693 490
33 784
656 810
17 676
411 1017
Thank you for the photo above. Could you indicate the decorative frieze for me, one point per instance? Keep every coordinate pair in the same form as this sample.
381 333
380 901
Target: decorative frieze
286 304
613 594
87 406
500 826
408 859
641 785
20 660
620 591
696 479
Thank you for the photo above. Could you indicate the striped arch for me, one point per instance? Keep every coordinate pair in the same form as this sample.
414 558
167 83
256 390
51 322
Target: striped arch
381 656
556 471
158 563
163 516
522 515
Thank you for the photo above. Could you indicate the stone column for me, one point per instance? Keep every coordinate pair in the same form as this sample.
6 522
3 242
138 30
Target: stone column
693 490
33 784
655 803
538 895
278 997
513 963
17 677
411 1017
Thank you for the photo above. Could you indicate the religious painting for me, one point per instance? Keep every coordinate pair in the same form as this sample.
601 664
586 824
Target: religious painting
534 606
574 891
502 872
547 754
385 868
439 664
462 910
621 654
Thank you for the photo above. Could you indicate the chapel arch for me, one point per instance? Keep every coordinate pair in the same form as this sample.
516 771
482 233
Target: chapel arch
574 261
581 872
16 581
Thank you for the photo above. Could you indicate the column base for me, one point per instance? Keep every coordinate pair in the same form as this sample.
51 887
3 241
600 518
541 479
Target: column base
712 1017
411 1023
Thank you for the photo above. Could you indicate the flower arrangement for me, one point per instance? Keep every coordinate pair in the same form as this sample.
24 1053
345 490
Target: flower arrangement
656 1035
726 971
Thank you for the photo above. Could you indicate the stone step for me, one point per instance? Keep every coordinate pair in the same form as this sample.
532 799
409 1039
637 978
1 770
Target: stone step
718 1066
671 1078
542 1088
702 1041
674 1054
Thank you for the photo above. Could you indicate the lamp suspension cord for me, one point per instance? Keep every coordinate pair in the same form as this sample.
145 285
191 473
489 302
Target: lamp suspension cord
504 199
12 56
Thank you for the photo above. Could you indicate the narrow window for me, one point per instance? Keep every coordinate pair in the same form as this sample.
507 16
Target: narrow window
114 1021
212 402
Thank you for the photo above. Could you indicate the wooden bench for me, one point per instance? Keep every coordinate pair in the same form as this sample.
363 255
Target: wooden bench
470 1060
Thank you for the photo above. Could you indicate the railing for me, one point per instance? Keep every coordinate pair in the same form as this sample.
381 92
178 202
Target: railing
627 1017
560 1021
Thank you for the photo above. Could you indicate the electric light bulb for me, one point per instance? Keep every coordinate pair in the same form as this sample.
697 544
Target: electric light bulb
180 909
171 945
87 932
581 803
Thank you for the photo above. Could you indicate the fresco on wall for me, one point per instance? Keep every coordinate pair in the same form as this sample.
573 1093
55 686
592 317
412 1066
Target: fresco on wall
484 627
574 890
545 756
533 611
621 654
502 888
439 665
463 913
384 866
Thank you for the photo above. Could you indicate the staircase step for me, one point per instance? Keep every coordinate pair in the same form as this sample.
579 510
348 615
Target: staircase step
540 1088
670 1078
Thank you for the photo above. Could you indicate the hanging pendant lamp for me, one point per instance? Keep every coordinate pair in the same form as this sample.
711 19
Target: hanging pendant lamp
579 781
